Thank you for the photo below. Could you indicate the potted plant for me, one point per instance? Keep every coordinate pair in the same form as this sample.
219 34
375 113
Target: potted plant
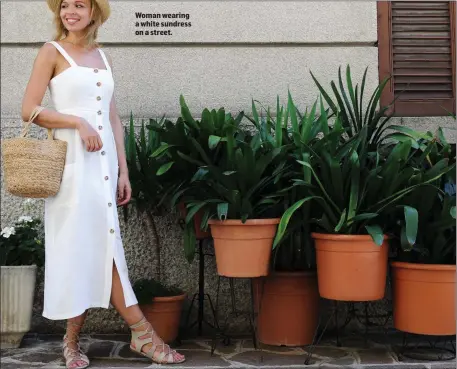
233 184
424 272
290 289
356 177
21 252
161 306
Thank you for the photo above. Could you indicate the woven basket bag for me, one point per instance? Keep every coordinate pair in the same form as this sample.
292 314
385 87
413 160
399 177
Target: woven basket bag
33 168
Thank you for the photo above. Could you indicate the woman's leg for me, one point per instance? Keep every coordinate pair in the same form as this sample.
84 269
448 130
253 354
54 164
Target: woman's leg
132 314
74 326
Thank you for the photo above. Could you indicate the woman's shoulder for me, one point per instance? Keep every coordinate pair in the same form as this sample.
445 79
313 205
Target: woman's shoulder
48 52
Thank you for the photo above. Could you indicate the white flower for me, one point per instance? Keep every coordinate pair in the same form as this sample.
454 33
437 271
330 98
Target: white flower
25 218
8 231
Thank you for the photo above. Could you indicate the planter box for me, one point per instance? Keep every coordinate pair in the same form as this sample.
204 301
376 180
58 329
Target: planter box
17 292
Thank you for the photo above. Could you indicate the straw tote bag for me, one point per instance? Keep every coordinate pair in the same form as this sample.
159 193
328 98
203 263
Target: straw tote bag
32 167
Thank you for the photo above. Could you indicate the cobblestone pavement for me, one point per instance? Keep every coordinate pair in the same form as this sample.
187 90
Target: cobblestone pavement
112 351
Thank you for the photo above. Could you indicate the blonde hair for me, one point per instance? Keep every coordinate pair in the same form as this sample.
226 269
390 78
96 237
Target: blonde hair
91 30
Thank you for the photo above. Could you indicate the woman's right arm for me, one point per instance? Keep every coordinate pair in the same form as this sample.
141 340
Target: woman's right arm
42 71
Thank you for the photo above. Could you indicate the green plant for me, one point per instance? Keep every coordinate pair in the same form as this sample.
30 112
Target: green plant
22 243
147 289
434 207
228 172
357 176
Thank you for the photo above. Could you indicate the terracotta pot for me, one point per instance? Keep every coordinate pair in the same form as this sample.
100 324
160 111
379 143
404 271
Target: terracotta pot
288 314
424 298
243 249
350 267
199 234
164 313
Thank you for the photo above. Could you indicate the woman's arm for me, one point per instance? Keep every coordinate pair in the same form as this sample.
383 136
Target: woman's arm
42 71
124 188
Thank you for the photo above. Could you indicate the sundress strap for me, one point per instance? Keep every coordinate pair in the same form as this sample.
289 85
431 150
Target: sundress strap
105 60
64 53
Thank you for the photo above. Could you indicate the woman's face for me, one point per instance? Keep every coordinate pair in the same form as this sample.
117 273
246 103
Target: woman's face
75 14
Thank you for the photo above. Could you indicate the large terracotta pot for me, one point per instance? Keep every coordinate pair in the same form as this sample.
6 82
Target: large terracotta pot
288 315
243 249
199 234
350 267
424 298
164 314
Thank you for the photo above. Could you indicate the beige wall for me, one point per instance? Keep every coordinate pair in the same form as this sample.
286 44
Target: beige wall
234 51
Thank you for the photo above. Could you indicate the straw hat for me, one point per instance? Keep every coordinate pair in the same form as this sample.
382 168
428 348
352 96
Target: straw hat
54 5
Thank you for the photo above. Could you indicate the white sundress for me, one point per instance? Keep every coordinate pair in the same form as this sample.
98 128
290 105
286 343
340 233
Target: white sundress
82 234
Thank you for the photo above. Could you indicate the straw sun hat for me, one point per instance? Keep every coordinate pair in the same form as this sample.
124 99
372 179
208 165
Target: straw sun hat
54 5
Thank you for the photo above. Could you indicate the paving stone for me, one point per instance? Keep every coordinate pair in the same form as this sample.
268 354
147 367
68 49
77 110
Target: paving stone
193 345
375 356
201 359
249 345
37 357
348 360
112 337
100 349
269 359
223 349
112 363
327 351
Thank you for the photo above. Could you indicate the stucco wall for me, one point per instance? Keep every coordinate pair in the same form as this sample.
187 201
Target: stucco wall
233 51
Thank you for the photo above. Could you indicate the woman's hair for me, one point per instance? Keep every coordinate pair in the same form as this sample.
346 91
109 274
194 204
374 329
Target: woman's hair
91 30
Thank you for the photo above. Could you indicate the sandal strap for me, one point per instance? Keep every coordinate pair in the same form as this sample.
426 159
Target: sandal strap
70 354
164 356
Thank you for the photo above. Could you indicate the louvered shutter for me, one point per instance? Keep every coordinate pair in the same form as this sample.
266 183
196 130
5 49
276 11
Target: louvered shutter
416 41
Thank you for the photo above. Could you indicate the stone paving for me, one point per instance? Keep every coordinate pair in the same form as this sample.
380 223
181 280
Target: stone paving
112 351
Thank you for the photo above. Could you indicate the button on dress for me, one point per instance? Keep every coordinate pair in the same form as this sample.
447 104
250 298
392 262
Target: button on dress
82 234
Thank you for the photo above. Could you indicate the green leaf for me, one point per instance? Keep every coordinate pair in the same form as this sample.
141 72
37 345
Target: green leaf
189 242
412 224
199 174
376 234
164 147
222 210
164 168
194 210
284 222
341 222
452 212
213 141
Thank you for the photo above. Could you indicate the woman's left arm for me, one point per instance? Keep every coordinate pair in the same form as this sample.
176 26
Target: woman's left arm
124 188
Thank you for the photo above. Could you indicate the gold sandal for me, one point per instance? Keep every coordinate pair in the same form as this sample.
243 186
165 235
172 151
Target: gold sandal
165 356
72 355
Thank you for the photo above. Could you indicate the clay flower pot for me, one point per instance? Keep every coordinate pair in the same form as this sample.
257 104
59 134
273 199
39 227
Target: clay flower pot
243 249
424 298
350 267
164 313
288 314
199 234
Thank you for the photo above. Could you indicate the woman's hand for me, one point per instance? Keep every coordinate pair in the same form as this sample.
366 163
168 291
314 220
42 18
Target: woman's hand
124 190
89 135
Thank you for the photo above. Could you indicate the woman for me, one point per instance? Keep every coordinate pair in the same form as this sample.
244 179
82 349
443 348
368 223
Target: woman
83 241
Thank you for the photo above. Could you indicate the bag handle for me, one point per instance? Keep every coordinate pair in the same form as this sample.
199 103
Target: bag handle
34 114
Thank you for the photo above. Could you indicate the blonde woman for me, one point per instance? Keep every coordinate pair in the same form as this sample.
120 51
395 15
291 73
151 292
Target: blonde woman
85 263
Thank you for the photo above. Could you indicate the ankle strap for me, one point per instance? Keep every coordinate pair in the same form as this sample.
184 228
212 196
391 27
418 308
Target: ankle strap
140 323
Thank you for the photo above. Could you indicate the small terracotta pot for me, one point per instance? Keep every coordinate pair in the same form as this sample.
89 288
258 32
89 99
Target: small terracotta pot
424 298
350 267
199 234
164 313
243 249
288 314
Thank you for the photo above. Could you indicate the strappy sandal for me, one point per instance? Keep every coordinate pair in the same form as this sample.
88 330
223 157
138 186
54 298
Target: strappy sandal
164 356
72 355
